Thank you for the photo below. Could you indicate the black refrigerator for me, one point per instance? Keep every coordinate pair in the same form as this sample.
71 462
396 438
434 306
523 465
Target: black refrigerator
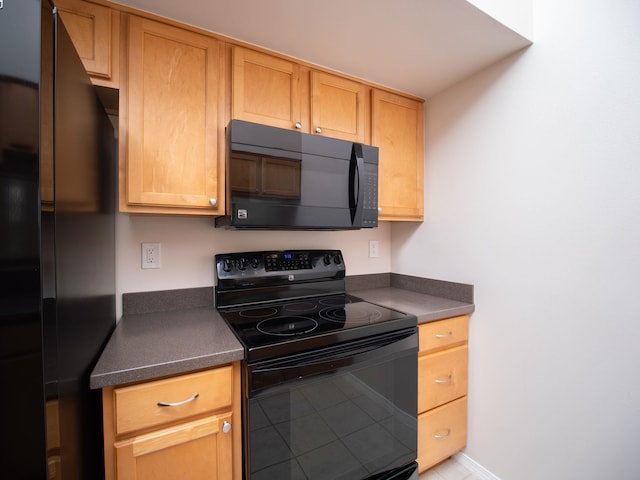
57 249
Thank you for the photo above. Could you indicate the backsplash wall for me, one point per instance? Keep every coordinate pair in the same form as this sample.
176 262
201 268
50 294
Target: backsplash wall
188 244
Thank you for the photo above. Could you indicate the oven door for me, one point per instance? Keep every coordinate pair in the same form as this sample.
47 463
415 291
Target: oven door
348 411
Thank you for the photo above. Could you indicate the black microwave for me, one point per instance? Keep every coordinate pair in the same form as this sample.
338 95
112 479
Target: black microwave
289 180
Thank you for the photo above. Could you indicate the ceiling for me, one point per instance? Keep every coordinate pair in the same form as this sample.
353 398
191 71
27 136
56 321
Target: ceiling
415 46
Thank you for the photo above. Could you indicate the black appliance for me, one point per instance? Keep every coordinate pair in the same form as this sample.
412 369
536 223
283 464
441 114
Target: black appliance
57 249
329 380
286 179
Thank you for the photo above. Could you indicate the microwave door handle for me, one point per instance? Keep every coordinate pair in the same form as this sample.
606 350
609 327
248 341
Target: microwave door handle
356 169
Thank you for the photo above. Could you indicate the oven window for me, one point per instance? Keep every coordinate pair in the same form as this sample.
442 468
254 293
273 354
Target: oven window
349 422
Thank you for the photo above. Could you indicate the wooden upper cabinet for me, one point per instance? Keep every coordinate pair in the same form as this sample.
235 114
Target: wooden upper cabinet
397 129
173 161
274 91
339 107
265 89
95 32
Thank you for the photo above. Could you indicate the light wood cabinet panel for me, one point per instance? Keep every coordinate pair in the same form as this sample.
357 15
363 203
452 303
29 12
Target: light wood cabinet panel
339 107
199 438
198 450
442 432
265 89
443 360
443 333
95 32
170 127
397 129
274 91
442 377
138 405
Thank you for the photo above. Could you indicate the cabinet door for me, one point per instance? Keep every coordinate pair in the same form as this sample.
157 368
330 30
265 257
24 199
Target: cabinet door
172 157
197 450
339 107
397 129
265 89
95 32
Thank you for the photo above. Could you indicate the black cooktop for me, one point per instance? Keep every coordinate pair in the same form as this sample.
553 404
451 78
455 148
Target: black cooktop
280 303
288 327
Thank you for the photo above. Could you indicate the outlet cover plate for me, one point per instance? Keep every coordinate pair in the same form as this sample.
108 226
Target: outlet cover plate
150 255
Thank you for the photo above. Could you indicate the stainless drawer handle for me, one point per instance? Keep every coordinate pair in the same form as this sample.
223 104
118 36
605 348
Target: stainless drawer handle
448 434
444 380
177 404
444 335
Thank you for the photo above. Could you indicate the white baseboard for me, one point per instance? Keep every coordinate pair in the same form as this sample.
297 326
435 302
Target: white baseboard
474 467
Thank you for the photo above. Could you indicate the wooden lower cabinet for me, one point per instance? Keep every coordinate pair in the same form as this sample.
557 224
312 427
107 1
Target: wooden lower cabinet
442 389
193 450
187 426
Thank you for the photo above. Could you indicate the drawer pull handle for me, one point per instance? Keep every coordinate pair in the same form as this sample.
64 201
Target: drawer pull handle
448 434
444 380
177 404
444 335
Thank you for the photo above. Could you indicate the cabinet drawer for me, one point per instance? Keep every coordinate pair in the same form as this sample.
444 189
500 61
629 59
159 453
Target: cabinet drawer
441 433
442 377
443 333
137 407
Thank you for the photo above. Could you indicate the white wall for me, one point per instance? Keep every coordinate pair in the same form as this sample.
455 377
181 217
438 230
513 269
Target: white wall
533 195
515 14
189 244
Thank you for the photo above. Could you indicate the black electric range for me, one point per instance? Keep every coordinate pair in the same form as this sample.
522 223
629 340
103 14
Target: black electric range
316 358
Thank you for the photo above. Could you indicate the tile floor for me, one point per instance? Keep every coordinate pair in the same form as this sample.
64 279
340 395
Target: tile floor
448 470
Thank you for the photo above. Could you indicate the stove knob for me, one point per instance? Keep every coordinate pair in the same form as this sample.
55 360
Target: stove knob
255 263
337 260
227 265
327 259
243 263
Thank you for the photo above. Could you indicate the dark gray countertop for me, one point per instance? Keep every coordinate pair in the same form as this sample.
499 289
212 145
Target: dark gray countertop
426 307
152 345
148 344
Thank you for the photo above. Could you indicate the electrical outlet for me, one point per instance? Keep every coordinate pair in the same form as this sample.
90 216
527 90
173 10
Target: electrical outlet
150 255
373 248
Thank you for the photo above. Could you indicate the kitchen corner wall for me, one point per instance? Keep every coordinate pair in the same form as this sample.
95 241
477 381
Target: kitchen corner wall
188 245
532 194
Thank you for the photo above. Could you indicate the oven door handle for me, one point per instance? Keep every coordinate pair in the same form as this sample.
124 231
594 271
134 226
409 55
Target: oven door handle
328 360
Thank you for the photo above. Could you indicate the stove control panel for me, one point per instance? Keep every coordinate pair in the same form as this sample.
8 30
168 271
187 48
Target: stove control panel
275 267
279 261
